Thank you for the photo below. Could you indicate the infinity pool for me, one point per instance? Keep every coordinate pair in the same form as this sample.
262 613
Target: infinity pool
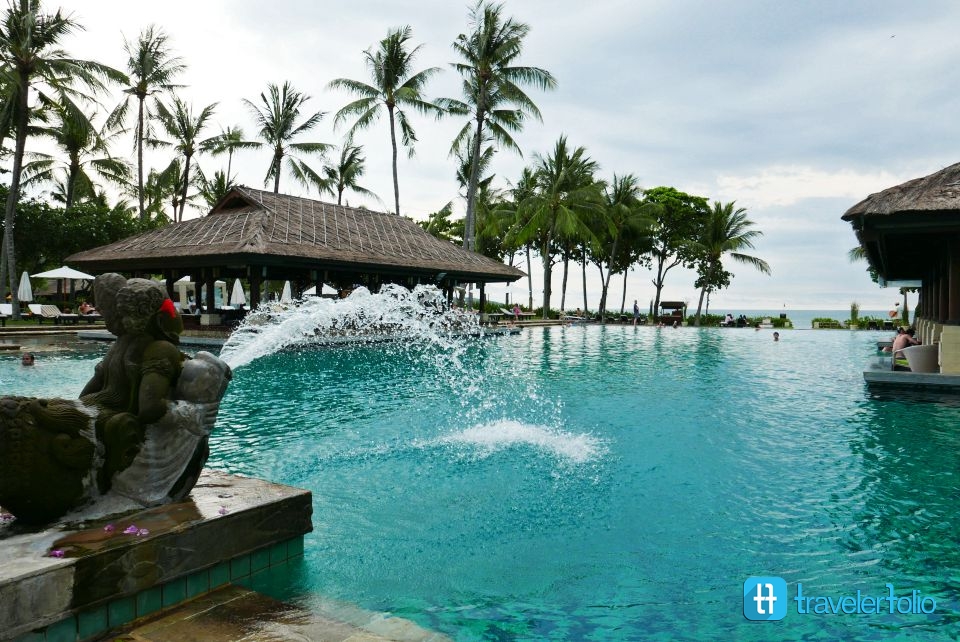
598 482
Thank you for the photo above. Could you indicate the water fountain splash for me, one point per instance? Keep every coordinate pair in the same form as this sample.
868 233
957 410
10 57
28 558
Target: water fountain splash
394 314
484 440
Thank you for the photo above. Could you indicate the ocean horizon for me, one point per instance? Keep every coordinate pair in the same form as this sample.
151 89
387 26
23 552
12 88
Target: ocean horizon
802 319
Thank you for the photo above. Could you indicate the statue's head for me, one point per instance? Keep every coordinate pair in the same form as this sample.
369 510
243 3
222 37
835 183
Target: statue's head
105 289
144 308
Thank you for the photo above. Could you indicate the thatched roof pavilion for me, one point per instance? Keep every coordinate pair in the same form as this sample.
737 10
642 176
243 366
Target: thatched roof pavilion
911 235
257 235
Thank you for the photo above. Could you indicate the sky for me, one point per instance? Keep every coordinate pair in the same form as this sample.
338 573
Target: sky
794 110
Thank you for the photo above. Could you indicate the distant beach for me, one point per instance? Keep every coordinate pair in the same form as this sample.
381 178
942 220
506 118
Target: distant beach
803 319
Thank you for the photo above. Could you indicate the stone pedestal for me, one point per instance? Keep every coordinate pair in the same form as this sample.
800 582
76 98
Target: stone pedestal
229 528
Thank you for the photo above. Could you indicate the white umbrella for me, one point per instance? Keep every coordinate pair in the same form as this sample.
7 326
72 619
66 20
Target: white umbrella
285 296
25 291
237 297
63 273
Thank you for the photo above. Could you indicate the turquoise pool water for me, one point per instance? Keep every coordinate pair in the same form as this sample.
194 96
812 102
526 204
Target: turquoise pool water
602 483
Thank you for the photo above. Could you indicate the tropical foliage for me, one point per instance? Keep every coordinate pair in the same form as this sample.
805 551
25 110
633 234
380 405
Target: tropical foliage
726 232
59 141
279 125
493 95
395 86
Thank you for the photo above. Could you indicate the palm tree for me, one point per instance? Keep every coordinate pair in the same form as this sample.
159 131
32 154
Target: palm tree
278 123
185 130
87 152
348 170
214 189
627 216
30 56
439 223
161 187
566 196
492 89
230 140
152 68
394 87
727 231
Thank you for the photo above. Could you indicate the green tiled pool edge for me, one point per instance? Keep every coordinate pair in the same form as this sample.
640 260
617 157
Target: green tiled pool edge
92 623
232 529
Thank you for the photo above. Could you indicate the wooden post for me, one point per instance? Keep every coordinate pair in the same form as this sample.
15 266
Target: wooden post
208 281
953 291
256 282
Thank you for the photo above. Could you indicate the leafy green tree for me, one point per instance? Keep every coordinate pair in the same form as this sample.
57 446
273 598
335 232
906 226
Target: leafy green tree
86 150
440 223
278 119
727 232
46 235
185 131
679 218
493 93
346 174
152 67
394 86
30 57
229 141
566 196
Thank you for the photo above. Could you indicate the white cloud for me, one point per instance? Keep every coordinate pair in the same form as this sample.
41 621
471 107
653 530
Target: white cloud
788 185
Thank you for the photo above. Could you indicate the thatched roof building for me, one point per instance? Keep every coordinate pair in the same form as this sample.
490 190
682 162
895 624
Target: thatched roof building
905 228
911 235
257 235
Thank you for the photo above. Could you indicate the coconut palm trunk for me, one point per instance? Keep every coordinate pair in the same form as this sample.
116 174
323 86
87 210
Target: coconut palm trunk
623 301
584 267
469 223
143 212
22 117
529 281
563 286
393 143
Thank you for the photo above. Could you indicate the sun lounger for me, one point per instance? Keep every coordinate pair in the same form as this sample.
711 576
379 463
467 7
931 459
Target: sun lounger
53 312
510 313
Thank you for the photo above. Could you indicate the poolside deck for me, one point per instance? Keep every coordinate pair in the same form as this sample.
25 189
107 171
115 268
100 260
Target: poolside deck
879 373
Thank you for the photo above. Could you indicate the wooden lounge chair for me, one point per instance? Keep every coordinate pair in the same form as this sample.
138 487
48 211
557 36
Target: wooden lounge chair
53 312
510 313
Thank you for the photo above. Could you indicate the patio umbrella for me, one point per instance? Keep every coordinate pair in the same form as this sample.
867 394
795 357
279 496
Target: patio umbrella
25 291
237 297
285 296
65 273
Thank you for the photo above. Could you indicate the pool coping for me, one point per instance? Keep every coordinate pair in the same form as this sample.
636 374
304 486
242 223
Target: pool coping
229 528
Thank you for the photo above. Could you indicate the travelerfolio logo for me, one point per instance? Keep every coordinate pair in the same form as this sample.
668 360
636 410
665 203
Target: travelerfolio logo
764 598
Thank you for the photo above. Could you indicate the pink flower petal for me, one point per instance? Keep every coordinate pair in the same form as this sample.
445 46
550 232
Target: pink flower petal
131 530
56 553
109 528
223 510
142 531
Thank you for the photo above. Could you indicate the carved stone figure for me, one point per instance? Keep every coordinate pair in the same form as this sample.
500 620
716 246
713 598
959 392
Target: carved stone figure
140 426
